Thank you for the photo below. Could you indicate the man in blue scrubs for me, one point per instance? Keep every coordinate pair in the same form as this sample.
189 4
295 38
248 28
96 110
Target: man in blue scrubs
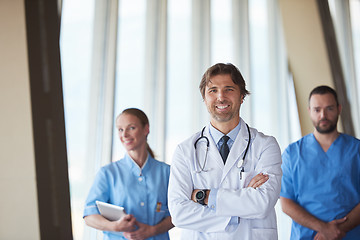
321 176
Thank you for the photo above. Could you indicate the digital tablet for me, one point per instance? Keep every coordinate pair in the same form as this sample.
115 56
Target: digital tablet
110 211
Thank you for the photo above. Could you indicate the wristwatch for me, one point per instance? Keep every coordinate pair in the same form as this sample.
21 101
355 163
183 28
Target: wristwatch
200 196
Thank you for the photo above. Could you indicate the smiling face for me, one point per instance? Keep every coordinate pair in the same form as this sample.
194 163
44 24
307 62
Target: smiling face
324 112
131 132
223 99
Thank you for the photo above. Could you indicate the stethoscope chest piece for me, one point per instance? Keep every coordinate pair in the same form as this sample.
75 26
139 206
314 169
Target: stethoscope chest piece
240 163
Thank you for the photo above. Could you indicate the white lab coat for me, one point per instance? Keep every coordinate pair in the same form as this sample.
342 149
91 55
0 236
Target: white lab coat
253 207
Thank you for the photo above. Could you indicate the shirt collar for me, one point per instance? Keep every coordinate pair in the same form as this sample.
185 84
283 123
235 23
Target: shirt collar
134 167
216 134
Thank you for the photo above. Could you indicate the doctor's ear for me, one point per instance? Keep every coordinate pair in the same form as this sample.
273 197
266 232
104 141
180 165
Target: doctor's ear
241 99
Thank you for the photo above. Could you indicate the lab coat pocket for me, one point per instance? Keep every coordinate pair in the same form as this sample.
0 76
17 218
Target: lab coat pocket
264 234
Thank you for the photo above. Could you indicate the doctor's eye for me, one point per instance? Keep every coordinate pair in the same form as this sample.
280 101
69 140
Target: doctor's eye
212 91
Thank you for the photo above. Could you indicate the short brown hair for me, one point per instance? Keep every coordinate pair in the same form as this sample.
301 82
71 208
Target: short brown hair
323 89
221 69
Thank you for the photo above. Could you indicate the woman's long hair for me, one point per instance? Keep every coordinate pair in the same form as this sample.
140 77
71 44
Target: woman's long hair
143 120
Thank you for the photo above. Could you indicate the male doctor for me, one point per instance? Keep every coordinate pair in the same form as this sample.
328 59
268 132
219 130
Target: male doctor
214 194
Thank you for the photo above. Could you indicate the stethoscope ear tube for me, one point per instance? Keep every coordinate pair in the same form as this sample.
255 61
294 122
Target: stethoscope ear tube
248 144
201 137
240 164
202 168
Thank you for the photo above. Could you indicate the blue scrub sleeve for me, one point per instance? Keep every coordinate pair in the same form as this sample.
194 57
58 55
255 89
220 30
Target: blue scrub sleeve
287 189
98 191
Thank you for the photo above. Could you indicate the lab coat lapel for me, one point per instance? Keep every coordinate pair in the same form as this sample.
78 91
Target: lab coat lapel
214 154
237 150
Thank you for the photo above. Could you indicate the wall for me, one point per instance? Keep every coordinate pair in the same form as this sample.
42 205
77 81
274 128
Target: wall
308 59
19 210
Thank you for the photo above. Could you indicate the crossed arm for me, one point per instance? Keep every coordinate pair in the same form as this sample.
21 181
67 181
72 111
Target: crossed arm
255 182
335 229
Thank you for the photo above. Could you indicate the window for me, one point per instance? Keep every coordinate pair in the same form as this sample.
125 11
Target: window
355 28
347 29
151 55
130 70
76 54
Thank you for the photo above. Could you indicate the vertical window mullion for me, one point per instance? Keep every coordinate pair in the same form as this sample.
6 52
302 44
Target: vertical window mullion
342 23
103 83
155 72
240 28
201 55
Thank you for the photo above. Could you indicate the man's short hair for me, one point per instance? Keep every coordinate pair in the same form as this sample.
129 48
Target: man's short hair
221 69
323 90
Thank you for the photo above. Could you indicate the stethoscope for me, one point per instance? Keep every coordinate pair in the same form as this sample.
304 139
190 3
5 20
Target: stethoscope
240 163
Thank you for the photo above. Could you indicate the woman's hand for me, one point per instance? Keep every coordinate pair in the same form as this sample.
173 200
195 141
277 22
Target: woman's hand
144 231
125 224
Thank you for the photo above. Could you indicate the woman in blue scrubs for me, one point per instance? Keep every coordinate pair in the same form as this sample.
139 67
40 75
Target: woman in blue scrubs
136 182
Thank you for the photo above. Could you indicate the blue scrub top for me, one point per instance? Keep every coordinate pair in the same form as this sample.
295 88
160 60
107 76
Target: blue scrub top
326 184
139 191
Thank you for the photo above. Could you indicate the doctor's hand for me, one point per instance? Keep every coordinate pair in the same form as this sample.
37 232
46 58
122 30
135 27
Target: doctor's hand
206 197
144 231
258 180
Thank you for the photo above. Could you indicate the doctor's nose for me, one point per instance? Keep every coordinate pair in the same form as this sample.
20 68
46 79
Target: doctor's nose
220 96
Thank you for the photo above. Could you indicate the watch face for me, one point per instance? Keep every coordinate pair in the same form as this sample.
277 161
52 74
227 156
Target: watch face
200 195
